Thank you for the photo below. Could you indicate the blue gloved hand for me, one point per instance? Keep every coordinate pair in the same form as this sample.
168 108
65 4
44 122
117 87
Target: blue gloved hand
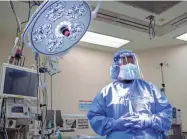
141 122
124 122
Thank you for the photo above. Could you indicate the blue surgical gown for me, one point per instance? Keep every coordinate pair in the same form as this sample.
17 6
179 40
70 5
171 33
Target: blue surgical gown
118 99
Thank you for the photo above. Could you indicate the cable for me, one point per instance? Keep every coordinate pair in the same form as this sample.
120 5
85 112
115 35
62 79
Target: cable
23 61
18 21
36 3
39 2
152 27
17 18
29 12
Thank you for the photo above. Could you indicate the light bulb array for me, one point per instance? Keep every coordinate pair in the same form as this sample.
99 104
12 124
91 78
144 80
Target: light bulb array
54 44
55 11
41 33
75 12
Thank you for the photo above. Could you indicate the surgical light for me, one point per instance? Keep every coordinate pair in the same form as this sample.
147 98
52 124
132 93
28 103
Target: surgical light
104 40
57 26
182 37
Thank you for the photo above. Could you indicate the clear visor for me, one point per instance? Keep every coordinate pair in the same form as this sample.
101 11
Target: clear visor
130 59
127 59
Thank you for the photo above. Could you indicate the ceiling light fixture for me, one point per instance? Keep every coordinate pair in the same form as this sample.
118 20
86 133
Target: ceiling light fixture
182 37
104 40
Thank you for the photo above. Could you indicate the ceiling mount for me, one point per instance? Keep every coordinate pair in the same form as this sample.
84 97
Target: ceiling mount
150 17
156 7
127 21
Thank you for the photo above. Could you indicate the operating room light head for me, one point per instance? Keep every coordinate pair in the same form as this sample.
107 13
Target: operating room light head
57 26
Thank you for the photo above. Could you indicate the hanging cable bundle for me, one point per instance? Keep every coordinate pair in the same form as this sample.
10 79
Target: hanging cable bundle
30 8
16 57
152 26
18 21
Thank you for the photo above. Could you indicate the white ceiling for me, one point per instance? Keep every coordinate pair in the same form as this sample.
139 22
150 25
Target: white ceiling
139 40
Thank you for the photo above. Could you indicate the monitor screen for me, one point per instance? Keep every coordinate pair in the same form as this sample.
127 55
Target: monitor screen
20 82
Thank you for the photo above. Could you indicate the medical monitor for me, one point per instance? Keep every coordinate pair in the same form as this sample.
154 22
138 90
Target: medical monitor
18 81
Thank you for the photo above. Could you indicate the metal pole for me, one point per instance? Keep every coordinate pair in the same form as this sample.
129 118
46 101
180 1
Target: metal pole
51 93
54 124
162 76
44 112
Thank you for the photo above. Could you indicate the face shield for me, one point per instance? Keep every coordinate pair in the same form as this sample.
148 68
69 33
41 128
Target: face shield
128 65
129 59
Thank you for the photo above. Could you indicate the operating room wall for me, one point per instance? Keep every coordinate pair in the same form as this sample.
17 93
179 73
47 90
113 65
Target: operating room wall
84 73
175 74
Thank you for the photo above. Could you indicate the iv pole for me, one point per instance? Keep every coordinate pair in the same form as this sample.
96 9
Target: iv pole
162 75
163 89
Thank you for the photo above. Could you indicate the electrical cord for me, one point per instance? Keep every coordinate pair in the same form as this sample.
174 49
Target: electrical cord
36 3
152 27
29 12
19 30
17 18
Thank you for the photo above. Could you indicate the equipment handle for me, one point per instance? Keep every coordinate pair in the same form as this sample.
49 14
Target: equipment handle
94 13
27 38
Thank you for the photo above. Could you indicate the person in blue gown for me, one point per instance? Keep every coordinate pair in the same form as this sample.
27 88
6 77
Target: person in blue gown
130 107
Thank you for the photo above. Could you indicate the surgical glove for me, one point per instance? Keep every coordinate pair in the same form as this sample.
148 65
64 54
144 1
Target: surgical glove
124 122
141 122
